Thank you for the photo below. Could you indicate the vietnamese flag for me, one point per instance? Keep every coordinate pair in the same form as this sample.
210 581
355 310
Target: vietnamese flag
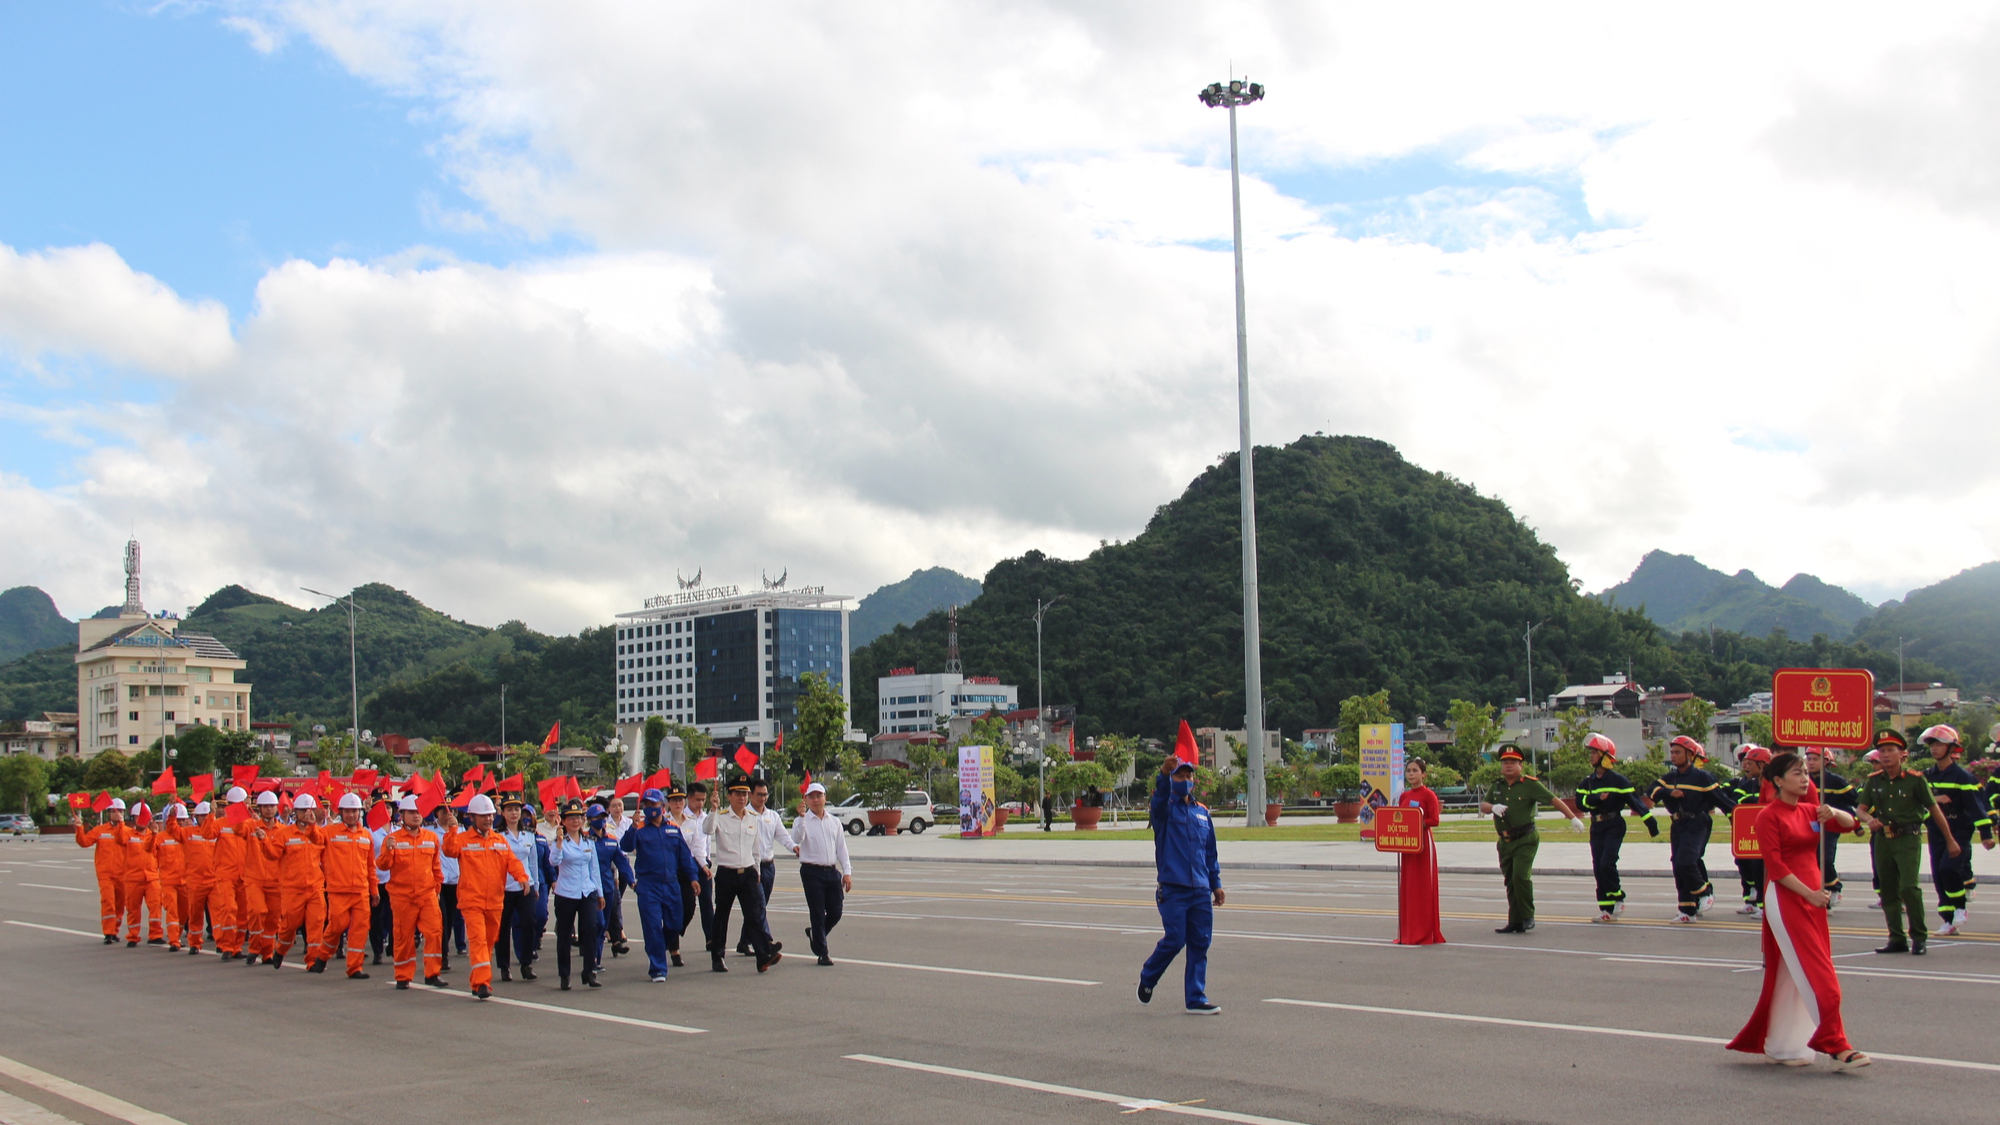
378 815
80 801
706 768
555 733
746 758
165 783
630 786
513 784
548 790
142 814
364 780
662 780
202 785
1184 747
101 802
803 784
572 788
244 776
429 792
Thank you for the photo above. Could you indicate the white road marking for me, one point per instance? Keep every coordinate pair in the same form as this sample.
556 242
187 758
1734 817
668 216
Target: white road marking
1671 961
52 887
55 929
1627 1032
967 972
606 1017
20 1111
83 1095
1122 1101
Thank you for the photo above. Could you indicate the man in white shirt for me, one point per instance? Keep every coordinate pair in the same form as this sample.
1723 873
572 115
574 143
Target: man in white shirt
691 814
732 848
825 873
770 833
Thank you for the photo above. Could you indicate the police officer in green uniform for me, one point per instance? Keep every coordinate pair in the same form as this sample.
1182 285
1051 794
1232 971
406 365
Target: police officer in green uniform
1512 803
1895 803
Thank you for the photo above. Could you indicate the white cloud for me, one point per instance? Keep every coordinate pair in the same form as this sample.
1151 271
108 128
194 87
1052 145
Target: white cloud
880 286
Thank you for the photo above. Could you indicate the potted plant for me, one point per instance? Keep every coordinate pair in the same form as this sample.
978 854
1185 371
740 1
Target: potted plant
1345 783
881 789
1279 783
1075 777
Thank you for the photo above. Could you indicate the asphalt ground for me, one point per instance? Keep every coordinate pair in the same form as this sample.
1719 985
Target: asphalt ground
969 991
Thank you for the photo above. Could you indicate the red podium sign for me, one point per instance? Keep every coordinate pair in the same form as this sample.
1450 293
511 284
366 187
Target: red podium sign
1399 829
1743 832
1823 707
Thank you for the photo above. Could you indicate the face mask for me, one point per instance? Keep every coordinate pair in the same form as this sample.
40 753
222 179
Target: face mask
1183 789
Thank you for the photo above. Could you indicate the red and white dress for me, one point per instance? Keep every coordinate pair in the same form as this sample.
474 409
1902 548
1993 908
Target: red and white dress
1417 883
1799 1010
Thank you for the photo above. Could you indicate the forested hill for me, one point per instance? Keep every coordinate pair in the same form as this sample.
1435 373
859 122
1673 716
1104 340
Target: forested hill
1375 573
1955 623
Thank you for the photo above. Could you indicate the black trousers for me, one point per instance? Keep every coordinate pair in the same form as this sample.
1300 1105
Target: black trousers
821 884
1951 876
614 917
705 904
738 885
1606 837
1829 848
1688 841
453 922
381 927
767 877
1750 872
570 913
517 912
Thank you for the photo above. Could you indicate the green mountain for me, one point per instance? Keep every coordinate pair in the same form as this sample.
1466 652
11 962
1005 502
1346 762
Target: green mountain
1954 623
1683 595
29 621
905 602
44 680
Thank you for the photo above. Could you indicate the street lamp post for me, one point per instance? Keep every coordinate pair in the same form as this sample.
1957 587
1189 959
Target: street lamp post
1230 95
353 669
1041 747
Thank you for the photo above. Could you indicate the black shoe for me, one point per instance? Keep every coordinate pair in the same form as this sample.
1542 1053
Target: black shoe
1511 928
250 959
378 959
444 964
590 980
315 966
194 953
1894 947
743 951
765 966
481 991
354 976
111 939
1917 947
1204 1008
676 959
277 962
506 976
402 986
1528 925
134 944
156 941
173 947
563 986
716 966
527 973
777 946
435 981
1145 993
825 960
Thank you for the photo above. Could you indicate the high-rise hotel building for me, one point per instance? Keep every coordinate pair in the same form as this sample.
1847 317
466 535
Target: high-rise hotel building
728 662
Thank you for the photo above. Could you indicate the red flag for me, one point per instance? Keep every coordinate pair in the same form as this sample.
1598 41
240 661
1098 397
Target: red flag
378 815
1184 747
101 802
236 813
245 776
548 789
491 783
202 785
80 800
142 814
662 780
574 790
555 733
630 786
514 784
474 774
781 742
746 758
706 768
803 784
364 780
264 785
430 793
165 783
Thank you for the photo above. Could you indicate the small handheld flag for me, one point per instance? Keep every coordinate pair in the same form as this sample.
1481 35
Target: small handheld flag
378 815
101 802
514 784
202 785
165 783
245 776
706 768
142 813
1184 746
662 780
80 800
746 758
803 784
630 786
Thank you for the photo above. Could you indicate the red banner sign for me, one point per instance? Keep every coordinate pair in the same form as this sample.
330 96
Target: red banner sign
1823 707
1743 832
1399 829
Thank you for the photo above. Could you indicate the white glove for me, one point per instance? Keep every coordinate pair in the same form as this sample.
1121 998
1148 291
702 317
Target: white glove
1576 824
1499 810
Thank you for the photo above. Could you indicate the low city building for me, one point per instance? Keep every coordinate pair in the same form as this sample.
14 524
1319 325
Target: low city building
908 701
50 737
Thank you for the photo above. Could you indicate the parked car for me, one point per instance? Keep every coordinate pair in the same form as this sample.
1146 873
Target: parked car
18 824
919 813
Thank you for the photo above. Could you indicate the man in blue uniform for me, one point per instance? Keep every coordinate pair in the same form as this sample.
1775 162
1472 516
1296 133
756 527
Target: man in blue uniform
1190 884
664 866
1604 796
1957 793
1692 797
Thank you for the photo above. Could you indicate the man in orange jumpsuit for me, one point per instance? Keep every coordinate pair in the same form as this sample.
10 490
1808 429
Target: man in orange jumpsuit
109 859
416 869
170 859
485 860
349 860
198 853
142 885
261 900
225 901
294 851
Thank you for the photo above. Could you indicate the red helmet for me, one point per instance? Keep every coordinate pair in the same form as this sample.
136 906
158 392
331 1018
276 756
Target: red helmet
1752 752
1601 744
1943 732
1691 746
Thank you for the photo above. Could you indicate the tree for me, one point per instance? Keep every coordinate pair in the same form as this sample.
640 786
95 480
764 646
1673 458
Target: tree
1690 719
444 758
1072 778
527 760
1115 753
1757 728
1343 780
1355 712
990 730
66 774
24 783
654 734
234 748
1570 763
695 743
110 769
881 787
924 758
821 728
1474 728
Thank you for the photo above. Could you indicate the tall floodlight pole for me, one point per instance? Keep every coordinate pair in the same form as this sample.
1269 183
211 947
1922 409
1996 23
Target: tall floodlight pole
1231 95
353 669
1041 747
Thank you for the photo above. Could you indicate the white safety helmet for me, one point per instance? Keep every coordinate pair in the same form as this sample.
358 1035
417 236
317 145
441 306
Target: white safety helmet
177 811
304 801
267 797
202 809
407 804
481 805
118 803
236 795
350 801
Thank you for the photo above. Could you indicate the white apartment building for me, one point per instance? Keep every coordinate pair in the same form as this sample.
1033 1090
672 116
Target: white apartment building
909 702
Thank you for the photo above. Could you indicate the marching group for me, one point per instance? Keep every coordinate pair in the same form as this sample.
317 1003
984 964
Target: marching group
259 874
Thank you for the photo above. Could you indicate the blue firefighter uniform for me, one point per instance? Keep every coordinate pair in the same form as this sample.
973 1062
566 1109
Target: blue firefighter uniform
1965 811
664 865
1692 796
1837 792
1190 875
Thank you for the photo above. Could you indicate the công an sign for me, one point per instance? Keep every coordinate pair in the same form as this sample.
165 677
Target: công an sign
1399 828
1743 832
1823 707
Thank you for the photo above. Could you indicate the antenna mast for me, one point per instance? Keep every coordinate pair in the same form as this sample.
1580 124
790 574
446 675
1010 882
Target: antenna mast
952 666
